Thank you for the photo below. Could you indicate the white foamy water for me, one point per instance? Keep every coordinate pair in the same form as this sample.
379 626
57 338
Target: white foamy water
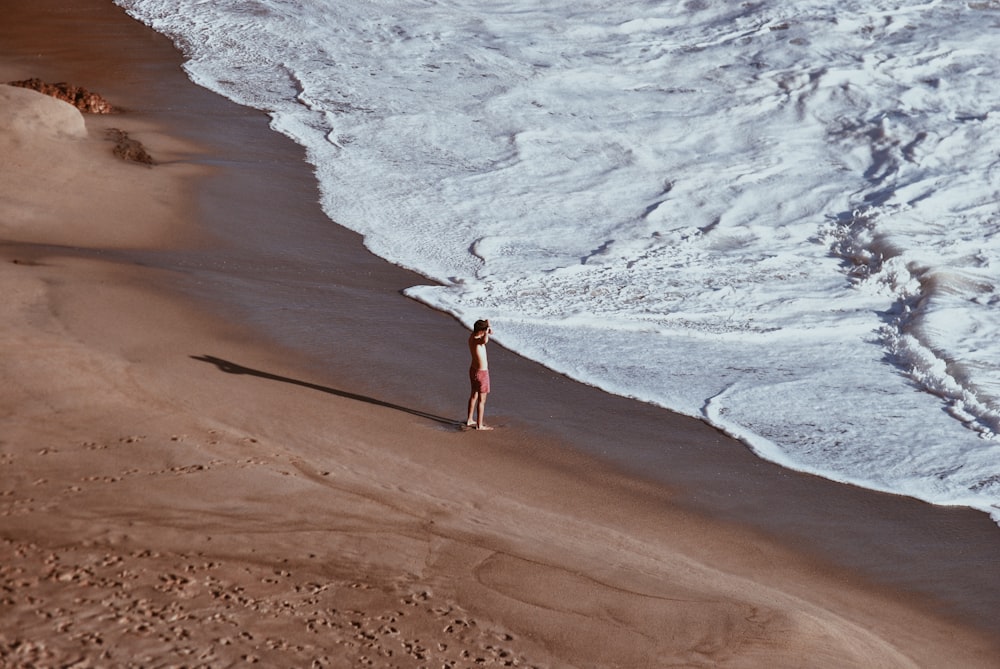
778 216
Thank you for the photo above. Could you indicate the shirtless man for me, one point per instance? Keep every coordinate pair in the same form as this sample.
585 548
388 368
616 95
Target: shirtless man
479 375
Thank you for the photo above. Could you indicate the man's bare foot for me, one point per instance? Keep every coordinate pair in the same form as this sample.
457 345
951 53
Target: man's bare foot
470 423
483 427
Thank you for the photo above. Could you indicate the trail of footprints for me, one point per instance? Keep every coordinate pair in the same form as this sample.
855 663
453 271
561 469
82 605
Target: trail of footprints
88 607
15 503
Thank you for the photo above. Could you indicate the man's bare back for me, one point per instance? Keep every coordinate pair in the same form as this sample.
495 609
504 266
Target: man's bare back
477 347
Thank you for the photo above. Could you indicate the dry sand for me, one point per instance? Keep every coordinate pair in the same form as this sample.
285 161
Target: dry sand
178 490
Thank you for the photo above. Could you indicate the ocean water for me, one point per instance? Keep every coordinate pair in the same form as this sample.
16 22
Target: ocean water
778 216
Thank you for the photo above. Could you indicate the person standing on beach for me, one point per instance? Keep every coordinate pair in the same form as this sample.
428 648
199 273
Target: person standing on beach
479 375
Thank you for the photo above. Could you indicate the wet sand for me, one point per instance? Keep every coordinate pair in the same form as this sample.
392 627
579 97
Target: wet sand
227 437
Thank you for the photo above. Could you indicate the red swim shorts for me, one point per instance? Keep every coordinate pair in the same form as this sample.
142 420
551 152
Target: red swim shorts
480 379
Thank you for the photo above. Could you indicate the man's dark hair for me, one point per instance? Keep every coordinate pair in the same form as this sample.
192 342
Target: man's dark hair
480 326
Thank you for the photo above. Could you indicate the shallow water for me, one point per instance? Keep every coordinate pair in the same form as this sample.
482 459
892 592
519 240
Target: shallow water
779 217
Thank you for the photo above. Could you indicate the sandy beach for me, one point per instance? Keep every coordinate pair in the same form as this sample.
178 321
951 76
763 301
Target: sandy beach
227 439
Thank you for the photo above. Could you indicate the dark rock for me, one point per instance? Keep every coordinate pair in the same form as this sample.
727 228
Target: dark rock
129 149
78 96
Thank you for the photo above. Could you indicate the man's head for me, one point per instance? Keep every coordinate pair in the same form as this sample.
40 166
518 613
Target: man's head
481 326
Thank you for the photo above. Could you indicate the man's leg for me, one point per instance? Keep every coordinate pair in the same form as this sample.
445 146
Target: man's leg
473 402
481 423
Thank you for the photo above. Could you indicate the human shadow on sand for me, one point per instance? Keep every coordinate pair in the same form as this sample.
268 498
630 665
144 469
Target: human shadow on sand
233 368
